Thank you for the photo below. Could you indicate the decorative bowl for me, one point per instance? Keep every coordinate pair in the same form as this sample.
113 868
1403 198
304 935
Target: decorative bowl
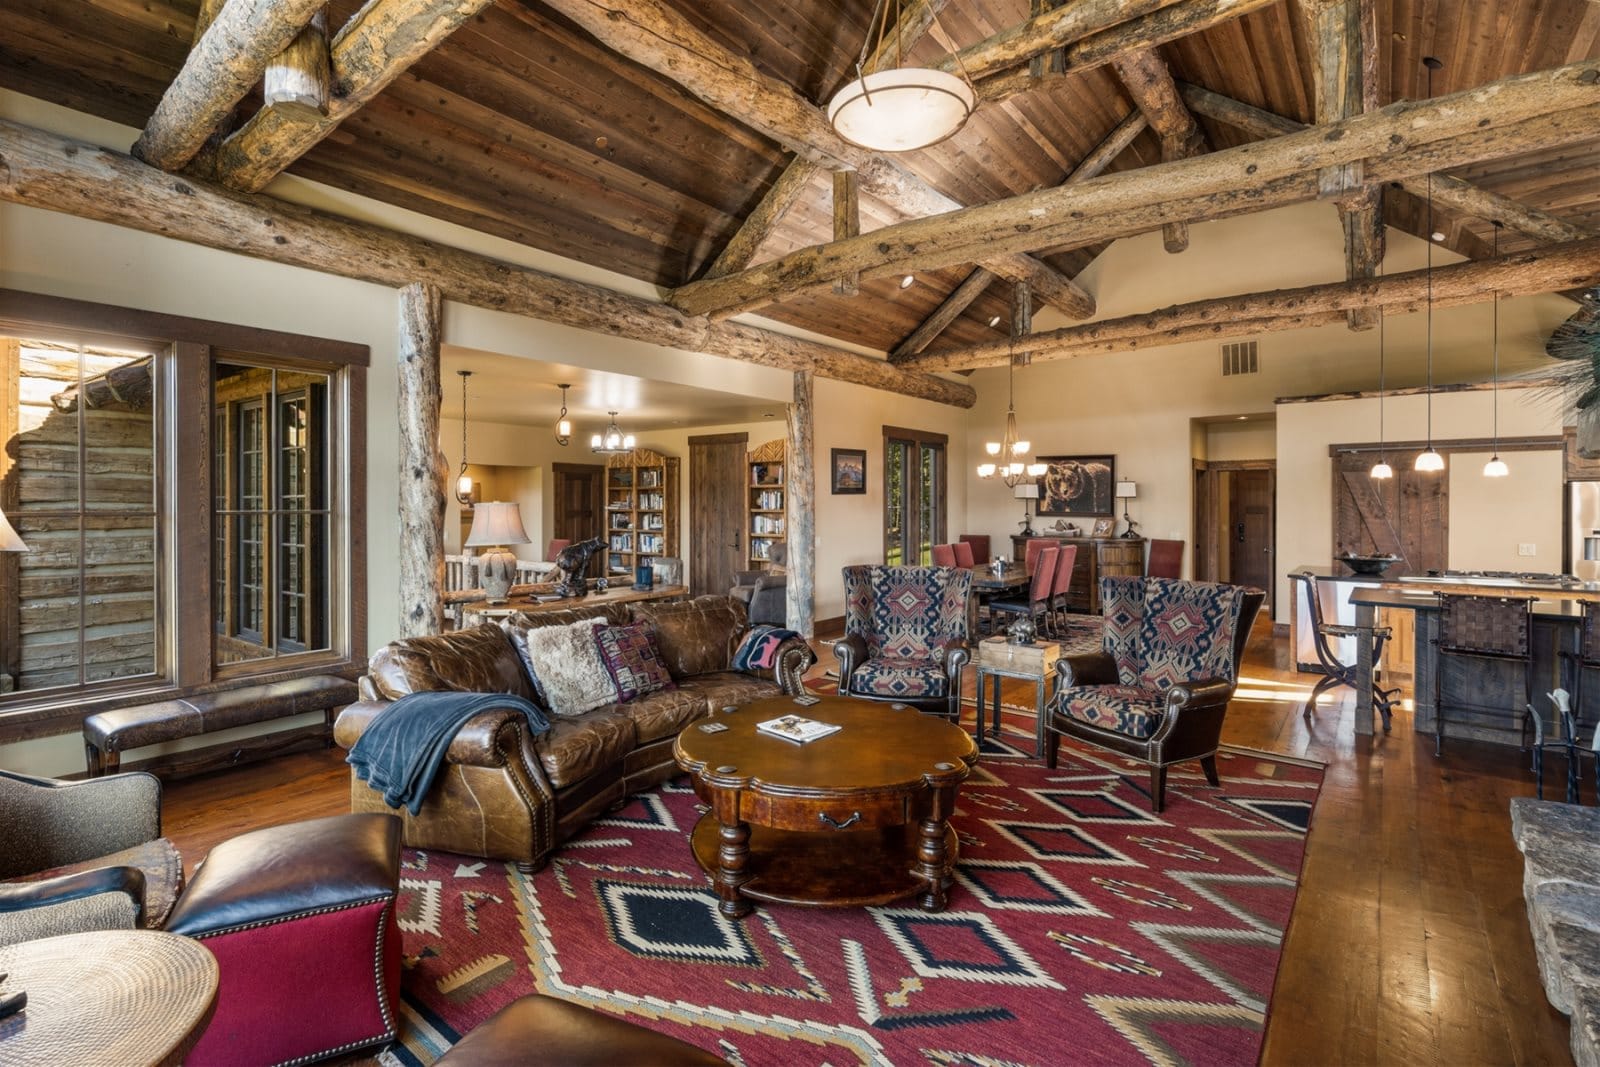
1369 565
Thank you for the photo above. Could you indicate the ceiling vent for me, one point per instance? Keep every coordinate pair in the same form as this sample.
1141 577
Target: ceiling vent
1239 357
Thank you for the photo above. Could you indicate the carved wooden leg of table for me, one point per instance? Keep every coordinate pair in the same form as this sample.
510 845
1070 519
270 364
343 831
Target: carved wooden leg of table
733 857
935 852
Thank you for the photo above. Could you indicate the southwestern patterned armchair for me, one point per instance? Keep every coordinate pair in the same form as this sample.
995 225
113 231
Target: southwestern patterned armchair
905 636
1159 688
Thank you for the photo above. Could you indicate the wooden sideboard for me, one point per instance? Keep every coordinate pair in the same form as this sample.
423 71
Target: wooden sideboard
1096 556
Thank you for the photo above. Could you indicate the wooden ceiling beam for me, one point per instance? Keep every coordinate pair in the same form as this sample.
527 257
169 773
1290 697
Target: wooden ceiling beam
1448 191
656 36
769 213
1152 23
1522 113
379 43
1542 270
1344 76
1146 77
960 298
45 170
225 63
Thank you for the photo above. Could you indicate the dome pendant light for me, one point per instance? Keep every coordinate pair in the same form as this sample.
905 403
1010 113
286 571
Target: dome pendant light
1496 467
902 108
1381 469
463 479
1431 460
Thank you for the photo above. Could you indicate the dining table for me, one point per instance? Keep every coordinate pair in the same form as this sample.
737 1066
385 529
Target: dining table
988 581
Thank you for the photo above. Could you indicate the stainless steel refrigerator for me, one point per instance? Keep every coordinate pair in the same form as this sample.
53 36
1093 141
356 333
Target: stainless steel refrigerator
1583 520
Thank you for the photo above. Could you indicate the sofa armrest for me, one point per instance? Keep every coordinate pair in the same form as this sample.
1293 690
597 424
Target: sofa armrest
1092 668
71 822
16 896
485 740
795 657
851 652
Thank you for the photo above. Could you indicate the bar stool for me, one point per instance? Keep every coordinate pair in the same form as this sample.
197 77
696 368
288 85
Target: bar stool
1335 671
1584 658
1496 628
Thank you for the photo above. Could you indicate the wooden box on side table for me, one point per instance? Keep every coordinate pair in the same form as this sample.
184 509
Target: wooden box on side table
997 659
1035 658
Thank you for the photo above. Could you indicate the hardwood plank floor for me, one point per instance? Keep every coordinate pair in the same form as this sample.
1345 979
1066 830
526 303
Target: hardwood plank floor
1409 942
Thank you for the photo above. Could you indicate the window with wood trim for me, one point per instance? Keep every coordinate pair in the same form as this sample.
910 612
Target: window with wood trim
914 490
189 494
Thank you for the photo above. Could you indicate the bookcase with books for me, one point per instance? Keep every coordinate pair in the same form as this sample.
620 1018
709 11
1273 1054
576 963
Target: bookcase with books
767 523
641 510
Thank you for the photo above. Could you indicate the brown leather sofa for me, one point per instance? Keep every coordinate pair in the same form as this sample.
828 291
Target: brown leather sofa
505 795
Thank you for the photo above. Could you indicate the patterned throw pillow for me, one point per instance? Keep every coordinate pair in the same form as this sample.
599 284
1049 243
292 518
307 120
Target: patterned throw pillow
759 649
632 659
566 667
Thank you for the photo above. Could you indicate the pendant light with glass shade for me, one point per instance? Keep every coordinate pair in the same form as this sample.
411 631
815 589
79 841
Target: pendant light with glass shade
1430 461
1381 469
612 441
1009 450
1496 467
899 109
563 424
463 479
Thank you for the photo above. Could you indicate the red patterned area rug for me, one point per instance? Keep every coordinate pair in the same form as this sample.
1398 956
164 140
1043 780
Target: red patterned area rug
1081 928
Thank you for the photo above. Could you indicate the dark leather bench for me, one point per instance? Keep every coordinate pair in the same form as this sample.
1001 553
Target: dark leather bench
108 734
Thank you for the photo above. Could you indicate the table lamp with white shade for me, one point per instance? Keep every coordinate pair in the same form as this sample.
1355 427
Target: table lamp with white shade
1026 491
494 526
1127 491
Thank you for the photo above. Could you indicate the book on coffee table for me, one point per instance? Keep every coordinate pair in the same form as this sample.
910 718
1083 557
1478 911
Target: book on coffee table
797 729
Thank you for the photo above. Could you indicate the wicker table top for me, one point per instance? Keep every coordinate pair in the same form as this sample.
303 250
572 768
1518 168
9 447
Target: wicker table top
113 997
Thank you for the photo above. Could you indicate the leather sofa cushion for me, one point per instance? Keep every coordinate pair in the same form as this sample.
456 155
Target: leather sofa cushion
697 636
721 688
663 713
479 660
576 748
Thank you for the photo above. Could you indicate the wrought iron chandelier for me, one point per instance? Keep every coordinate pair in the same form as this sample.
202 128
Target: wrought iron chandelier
1007 454
613 440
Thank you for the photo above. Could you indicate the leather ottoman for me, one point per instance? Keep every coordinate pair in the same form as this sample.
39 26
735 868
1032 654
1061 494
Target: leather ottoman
301 920
540 1029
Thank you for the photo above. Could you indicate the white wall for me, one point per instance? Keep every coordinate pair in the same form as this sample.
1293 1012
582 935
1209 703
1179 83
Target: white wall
1235 441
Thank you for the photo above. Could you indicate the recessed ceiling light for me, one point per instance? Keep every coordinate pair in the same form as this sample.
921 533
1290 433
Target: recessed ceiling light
769 415
995 321
1438 235
905 283
1242 418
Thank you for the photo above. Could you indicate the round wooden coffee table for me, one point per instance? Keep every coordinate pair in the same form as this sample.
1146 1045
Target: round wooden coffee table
109 997
858 817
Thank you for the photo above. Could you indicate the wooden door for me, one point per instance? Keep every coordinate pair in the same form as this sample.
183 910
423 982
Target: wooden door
717 510
1250 529
1407 515
579 514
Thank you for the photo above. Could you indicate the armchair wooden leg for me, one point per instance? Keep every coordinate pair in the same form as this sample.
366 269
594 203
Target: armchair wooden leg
1158 788
1052 746
1209 765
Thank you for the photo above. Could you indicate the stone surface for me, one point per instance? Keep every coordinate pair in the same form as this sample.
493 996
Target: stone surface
1557 913
1586 1025
1548 856
1552 816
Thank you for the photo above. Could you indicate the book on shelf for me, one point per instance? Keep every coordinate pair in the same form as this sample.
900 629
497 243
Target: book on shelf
796 728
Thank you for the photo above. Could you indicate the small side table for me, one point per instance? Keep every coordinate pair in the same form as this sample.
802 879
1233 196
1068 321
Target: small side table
997 659
113 998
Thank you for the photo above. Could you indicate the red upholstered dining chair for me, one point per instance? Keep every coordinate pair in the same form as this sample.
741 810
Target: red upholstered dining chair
555 546
1166 560
1066 560
1035 545
964 556
1036 605
980 547
944 556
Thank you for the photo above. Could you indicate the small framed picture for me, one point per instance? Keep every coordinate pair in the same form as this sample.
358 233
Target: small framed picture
849 466
1102 527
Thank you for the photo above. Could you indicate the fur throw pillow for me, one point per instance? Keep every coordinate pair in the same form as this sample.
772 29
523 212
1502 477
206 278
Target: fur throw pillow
566 667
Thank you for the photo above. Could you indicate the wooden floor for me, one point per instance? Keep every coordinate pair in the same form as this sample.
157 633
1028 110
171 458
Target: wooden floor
1409 942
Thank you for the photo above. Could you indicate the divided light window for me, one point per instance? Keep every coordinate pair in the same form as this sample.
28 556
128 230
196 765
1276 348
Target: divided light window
79 486
913 495
270 493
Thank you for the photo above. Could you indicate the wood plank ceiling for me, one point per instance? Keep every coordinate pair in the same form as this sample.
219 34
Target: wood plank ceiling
522 126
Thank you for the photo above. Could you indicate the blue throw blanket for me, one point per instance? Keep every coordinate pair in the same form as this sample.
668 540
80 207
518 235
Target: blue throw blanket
403 747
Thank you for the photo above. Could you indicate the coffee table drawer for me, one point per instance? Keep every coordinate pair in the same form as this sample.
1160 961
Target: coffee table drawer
823 814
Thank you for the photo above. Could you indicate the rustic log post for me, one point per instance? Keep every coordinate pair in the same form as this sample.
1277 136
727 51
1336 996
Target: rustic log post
298 77
800 512
422 466
846 223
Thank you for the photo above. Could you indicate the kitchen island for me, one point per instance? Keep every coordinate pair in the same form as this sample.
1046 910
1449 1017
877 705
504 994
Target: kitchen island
1557 613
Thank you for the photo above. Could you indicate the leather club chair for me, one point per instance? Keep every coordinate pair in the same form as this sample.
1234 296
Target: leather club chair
568 1034
905 636
1159 688
765 593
